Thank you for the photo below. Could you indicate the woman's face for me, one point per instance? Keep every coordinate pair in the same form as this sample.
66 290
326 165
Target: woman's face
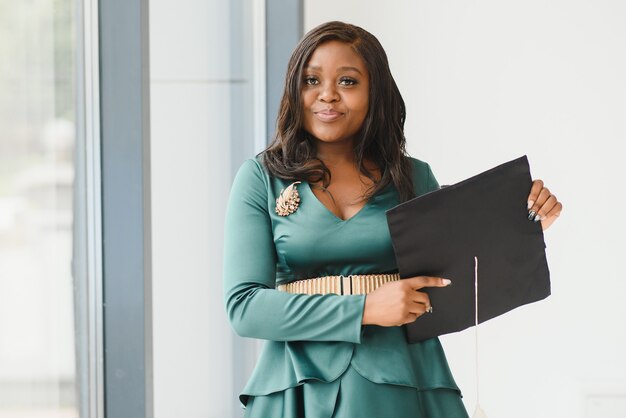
335 94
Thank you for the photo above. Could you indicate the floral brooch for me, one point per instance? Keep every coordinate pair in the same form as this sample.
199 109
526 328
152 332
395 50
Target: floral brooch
288 201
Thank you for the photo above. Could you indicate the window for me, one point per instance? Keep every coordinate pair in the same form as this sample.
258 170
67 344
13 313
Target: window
44 239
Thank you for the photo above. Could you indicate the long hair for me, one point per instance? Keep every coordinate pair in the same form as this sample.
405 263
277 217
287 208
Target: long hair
292 153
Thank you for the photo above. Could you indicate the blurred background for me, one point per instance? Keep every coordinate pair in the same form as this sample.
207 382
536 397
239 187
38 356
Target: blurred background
122 124
38 226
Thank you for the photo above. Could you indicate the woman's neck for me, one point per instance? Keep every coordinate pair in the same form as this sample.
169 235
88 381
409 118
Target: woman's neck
336 153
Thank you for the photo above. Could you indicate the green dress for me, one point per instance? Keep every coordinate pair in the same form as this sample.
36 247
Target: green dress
318 360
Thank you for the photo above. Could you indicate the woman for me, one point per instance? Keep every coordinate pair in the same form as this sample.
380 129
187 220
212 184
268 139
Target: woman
306 233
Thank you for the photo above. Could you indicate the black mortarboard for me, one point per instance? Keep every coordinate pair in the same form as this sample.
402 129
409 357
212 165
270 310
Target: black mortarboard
486 216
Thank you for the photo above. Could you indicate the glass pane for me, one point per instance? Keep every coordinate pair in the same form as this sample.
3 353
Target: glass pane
38 337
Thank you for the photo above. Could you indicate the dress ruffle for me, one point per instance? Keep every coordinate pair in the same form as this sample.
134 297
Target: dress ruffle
383 357
283 365
351 396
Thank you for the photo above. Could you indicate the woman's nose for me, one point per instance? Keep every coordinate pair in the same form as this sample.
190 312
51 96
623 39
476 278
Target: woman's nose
328 93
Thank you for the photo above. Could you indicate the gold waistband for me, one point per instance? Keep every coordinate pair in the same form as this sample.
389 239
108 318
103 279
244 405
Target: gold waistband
354 284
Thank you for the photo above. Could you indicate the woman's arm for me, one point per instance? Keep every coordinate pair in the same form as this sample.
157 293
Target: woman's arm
255 309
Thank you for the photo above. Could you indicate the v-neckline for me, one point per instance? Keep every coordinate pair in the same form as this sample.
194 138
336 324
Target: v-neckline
331 213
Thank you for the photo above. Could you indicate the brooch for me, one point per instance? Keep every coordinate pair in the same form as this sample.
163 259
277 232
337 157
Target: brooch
288 201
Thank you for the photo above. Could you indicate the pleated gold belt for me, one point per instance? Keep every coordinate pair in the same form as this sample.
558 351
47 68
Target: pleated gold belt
354 284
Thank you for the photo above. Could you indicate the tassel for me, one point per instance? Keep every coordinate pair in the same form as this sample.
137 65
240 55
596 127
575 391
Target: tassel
478 413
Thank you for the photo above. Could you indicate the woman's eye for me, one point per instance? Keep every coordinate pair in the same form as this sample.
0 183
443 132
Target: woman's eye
347 81
311 81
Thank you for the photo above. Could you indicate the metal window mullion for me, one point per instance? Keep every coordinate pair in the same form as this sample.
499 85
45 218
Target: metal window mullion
126 246
260 76
284 28
87 15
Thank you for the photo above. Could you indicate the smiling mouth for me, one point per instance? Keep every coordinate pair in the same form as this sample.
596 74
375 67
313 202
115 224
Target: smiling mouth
328 115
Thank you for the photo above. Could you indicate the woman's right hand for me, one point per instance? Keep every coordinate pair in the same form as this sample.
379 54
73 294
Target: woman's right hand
399 302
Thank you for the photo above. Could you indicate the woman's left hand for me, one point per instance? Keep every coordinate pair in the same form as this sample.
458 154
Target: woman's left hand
543 205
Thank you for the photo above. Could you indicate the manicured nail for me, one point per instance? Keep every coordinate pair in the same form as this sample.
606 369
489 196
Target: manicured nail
530 203
537 218
446 282
531 215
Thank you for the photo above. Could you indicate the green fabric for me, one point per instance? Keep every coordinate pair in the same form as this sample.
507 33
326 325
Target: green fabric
353 396
316 337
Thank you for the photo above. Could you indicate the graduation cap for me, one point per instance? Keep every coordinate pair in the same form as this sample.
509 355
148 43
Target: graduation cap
440 234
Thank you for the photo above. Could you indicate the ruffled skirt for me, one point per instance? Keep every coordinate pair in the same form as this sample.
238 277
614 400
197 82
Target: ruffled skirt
353 396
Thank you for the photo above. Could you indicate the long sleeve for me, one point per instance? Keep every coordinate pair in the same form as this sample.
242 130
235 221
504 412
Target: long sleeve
255 309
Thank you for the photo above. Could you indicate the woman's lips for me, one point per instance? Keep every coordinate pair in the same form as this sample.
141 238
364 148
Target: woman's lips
328 115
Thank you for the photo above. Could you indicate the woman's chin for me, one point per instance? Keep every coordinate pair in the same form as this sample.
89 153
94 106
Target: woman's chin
333 139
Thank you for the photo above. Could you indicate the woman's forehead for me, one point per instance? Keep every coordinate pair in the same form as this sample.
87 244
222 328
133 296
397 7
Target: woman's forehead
336 54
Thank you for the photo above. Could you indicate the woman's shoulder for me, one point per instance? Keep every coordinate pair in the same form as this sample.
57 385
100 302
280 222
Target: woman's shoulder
253 178
255 167
251 182
252 170
418 165
423 178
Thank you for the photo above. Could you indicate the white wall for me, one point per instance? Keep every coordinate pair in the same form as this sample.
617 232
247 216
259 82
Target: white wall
485 82
199 76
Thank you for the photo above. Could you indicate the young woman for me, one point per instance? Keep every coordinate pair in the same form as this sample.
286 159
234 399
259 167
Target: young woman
308 263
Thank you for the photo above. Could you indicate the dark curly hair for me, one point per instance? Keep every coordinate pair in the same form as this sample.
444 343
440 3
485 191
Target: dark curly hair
292 153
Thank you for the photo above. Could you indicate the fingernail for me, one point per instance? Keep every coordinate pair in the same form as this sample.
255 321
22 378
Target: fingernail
530 203
446 282
531 215
537 218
